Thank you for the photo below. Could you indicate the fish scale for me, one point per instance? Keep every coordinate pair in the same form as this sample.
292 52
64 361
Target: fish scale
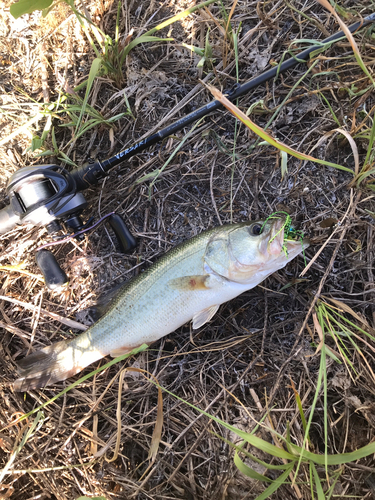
136 314
188 283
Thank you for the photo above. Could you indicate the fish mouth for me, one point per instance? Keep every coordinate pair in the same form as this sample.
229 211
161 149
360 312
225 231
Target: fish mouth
278 244
296 246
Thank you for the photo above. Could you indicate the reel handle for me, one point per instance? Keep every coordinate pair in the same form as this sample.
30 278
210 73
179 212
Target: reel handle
55 277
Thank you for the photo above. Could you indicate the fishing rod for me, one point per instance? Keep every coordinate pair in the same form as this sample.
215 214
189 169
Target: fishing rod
86 176
49 195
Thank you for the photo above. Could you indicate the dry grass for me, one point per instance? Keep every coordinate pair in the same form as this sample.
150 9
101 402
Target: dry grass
255 345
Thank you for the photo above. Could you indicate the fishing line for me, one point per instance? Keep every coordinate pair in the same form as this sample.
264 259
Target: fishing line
71 236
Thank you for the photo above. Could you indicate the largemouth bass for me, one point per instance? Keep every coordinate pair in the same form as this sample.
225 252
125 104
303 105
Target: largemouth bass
189 282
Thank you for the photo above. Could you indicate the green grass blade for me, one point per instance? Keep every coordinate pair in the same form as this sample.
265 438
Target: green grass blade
151 175
319 489
353 325
370 144
339 458
300 409
69 124
95 67
239 449
116 117
68 161
311 481
196 50
54 142
48 152
141 39
88 126
330 108
362 176
276 484
248 471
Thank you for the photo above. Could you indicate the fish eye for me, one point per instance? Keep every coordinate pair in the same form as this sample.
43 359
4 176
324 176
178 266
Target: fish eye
255 229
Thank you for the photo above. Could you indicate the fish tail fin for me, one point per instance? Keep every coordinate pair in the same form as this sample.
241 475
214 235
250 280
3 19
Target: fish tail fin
51 364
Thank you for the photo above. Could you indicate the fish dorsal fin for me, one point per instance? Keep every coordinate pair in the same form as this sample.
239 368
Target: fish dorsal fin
190 283
201 317
101 306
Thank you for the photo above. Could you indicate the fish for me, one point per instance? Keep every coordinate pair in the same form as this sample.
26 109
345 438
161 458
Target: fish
188 283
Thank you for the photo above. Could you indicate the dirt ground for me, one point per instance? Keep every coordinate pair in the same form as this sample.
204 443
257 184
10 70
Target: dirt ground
242 365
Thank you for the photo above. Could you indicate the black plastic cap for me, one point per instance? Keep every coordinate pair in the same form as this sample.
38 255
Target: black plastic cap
54 276
126 240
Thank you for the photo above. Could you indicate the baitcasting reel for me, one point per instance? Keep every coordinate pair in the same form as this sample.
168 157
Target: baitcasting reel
46 195
42 195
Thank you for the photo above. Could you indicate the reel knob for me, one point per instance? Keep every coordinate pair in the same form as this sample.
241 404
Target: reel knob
53 275
126 240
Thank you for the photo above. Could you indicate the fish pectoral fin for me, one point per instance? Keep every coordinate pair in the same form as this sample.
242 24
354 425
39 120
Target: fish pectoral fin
189 283
200 318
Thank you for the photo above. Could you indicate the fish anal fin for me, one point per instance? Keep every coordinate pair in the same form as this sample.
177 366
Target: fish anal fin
202 317
190 283
120 351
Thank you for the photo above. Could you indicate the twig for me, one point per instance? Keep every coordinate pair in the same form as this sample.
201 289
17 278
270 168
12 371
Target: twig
66 321
337 228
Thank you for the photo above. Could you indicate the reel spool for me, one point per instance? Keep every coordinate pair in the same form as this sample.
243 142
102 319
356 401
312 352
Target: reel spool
33 191
41 195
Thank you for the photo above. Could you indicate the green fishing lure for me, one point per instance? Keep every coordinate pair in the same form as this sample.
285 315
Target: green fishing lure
290 234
